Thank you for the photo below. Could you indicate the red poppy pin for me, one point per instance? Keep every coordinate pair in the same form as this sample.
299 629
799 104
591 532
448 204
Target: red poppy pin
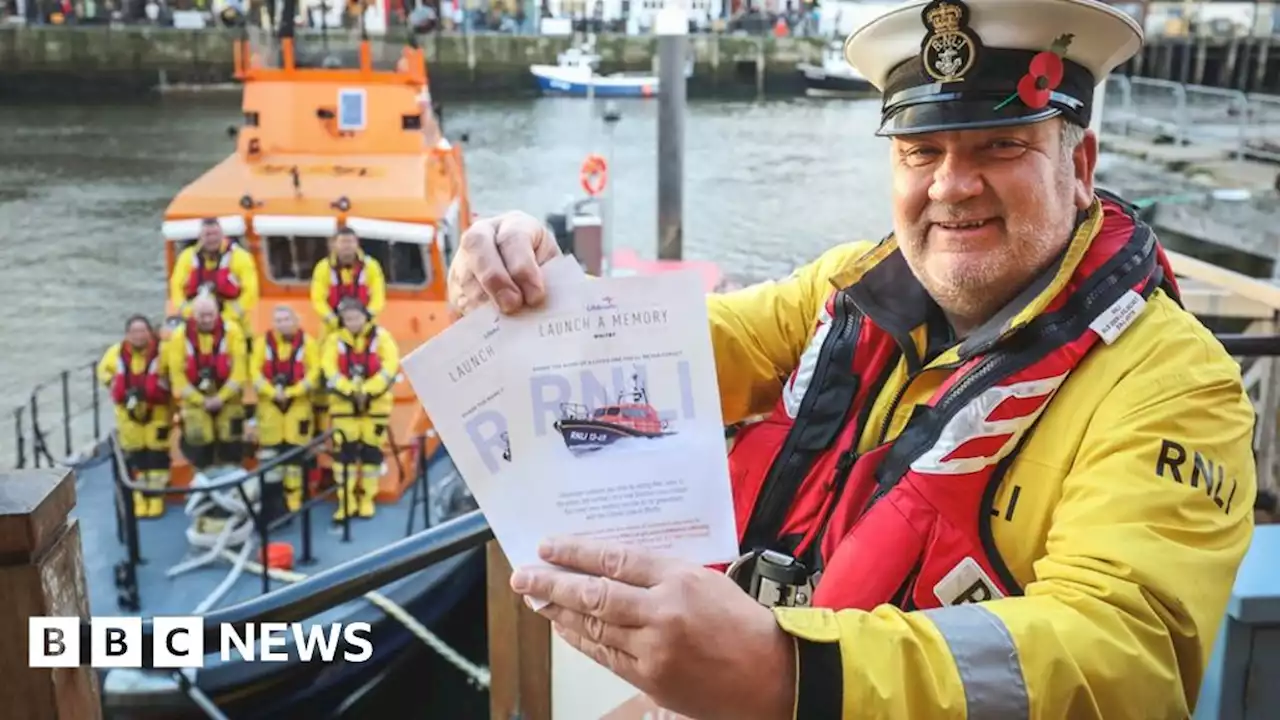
1043 76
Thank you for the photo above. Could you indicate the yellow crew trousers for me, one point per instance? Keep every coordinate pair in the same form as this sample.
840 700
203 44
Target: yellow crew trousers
280 430
144 438
359 457
210 439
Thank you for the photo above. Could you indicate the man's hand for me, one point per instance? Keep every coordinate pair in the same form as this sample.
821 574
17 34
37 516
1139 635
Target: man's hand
685 635
501 258
213 403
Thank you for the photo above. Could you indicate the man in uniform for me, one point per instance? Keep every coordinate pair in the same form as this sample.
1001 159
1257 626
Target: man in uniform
975 532
221 268
207 370
347 272
133 371
286 371
360 362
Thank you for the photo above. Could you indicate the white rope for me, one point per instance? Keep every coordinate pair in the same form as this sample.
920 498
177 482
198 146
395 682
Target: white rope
236 530
476 674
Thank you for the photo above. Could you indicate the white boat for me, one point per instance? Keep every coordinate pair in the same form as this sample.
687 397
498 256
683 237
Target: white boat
834 77
575 74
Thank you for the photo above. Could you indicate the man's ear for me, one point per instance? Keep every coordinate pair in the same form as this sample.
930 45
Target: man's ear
1085 159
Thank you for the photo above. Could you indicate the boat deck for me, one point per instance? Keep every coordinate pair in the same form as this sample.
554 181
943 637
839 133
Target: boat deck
162 544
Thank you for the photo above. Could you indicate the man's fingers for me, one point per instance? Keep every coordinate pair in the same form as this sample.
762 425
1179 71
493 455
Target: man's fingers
626 563
611 601
594 629
486 264
515 241
623 665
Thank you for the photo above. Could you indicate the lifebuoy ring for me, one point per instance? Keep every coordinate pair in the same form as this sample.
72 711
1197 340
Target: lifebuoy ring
594 174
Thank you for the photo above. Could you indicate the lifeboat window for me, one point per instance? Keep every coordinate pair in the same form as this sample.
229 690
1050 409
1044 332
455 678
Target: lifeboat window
292 257
606 412
404 263
638 413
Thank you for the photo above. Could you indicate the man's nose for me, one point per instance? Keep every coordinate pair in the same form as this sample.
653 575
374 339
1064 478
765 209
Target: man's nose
955 181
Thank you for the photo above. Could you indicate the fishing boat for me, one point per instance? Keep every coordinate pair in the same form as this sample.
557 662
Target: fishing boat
587 429
575 74
834 77
330 137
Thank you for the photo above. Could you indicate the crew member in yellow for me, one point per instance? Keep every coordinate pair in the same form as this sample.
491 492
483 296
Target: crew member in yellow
208 372
1003 473
360 363
285 367
347 272
216 265
134 371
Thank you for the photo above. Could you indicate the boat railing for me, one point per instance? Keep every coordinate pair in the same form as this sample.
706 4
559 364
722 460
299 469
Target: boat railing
60 419
574 411
127 528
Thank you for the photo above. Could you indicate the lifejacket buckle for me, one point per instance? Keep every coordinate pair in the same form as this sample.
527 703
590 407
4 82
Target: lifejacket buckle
777 579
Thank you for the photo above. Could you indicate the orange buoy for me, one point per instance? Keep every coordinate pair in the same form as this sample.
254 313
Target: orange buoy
279 555
595 174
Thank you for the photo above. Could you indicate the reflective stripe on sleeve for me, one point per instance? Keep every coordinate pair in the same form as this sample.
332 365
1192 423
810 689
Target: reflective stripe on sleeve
987 660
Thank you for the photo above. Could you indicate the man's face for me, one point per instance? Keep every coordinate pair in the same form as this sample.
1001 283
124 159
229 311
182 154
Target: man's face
285 322
345 247
210 238
206 316
353 320
978 213
137 334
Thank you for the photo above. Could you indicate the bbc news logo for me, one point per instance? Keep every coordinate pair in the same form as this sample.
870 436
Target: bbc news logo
178 642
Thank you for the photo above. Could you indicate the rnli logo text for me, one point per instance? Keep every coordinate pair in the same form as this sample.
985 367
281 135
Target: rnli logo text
1197 471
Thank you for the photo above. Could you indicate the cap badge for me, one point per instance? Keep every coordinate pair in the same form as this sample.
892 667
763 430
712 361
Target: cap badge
950 48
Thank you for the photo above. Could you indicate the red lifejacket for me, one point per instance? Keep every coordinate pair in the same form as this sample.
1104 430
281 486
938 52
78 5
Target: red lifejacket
357 288
290 364
908 522
147 381
216 364
349 359
220 278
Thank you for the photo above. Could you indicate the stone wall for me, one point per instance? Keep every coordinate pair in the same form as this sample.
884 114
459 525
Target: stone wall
120 63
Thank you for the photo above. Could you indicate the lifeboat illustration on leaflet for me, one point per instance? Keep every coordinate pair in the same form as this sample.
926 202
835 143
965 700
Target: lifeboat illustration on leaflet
588 429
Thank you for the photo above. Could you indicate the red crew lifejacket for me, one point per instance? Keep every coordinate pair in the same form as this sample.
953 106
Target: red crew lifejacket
349 358
148 381
220 278
290 364
357 288
217 363
906 523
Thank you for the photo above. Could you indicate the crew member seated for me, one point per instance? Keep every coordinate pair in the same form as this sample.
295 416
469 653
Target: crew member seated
286 371
134 372
360 362
219 267
207 369
347 272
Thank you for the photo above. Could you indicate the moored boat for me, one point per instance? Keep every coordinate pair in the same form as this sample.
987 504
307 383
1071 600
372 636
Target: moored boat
331 138
834 77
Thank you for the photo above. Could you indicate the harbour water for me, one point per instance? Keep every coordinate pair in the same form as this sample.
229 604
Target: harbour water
82 189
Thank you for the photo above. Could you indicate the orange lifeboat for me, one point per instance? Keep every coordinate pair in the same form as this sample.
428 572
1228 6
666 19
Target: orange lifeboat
333 137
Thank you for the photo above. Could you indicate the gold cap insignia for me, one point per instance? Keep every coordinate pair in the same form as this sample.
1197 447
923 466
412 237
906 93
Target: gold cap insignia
950 49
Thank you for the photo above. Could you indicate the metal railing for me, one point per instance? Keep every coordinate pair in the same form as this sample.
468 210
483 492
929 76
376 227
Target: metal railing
127 519
49 431
1238 123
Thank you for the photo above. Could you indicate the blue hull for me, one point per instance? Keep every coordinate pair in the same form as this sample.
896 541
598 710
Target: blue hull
551 86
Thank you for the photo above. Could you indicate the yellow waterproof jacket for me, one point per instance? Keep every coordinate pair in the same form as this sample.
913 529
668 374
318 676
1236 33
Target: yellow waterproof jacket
342 346
322 279
1126 567
242 266
265 386
232 390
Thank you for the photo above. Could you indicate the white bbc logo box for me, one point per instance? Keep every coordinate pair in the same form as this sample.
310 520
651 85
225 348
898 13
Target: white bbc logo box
115 642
